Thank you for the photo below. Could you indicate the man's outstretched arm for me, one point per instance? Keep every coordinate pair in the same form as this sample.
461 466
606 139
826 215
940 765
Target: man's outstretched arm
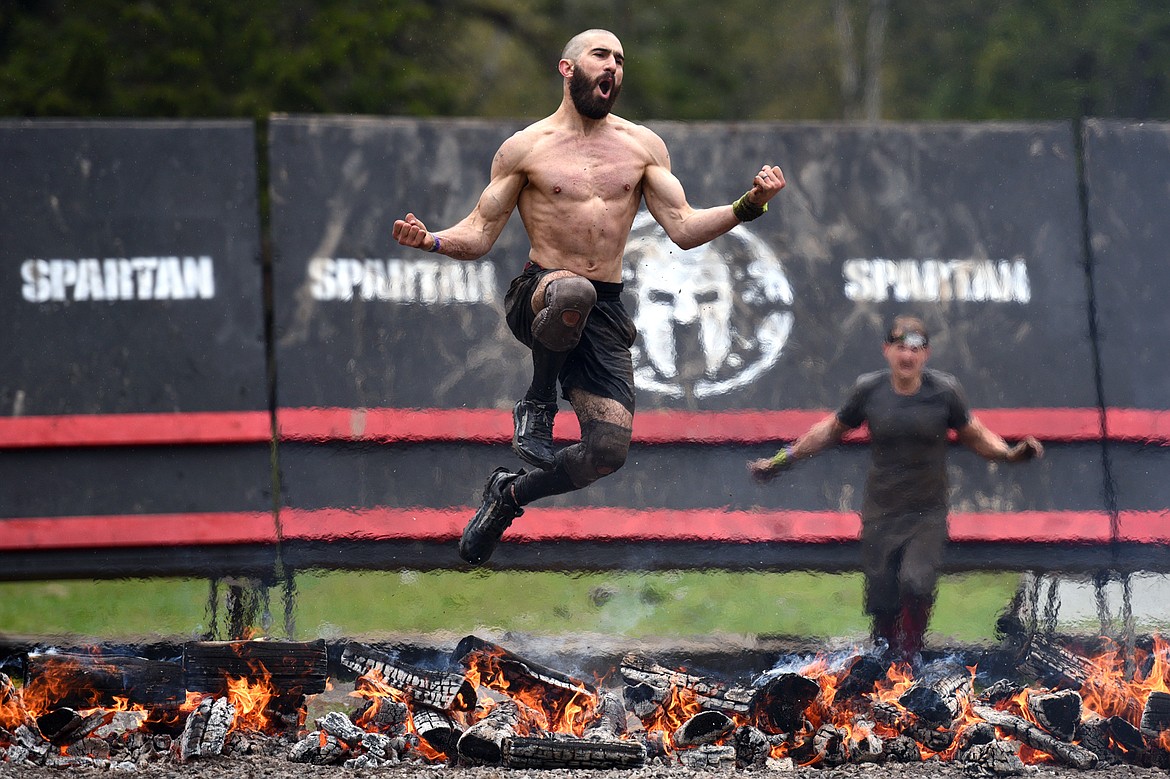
824 433
689 227
473 236
989 445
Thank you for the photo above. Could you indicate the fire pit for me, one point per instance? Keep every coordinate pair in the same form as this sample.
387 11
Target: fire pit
482 708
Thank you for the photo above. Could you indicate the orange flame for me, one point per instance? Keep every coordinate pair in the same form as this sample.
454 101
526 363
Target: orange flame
250 698
373 687
560 712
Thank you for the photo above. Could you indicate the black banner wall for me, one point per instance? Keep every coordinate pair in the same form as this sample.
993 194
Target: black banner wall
1126 168
397 373
136 397
975 227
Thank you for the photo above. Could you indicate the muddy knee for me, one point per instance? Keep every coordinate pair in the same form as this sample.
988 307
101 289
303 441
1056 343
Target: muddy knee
558 326
602 451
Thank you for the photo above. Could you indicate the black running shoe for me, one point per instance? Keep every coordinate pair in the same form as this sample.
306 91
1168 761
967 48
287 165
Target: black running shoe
489 523
532 434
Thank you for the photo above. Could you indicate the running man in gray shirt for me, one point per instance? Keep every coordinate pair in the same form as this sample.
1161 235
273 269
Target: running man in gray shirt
910 409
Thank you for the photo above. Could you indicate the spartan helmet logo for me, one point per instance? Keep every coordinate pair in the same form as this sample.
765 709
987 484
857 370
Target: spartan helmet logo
711 319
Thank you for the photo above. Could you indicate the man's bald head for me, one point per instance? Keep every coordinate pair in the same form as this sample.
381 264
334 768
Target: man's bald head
582 41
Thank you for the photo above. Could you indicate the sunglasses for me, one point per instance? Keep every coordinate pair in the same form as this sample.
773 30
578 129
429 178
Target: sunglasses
909 340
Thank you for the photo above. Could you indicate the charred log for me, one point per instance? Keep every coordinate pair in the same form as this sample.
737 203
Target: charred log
64 725
435 689
993 759
1093 734
516 676
483 742
1000 691
1019 728
752 747
88 681
1057 712
653 682
293 669
515 669
1126 740
706 727
1053 665
831 745
438 729
864 673
560 751
779 705
1156 714
901 749
206 730
708 757
938 700
934 739
609 719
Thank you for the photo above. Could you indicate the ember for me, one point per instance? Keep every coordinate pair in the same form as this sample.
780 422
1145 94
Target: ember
490 706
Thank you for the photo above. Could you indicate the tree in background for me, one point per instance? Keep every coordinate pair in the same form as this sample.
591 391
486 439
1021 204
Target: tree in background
729 61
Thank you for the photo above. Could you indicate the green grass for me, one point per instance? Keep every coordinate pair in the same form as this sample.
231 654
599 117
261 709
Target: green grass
343 604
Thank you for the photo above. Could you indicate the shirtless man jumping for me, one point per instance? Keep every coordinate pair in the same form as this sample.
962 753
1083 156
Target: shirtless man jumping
577 178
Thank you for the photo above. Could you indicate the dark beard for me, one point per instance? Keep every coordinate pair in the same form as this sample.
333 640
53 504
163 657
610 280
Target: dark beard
581 91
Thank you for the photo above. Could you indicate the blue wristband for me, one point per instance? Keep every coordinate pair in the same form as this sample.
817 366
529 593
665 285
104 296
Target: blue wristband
438 244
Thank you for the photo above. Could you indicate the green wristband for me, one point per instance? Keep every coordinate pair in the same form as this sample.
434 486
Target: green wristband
782 458
745 210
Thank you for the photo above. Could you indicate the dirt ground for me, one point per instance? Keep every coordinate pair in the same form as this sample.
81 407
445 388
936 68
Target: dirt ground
279 768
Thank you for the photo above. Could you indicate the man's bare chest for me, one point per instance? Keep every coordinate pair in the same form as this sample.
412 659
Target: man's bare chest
581 174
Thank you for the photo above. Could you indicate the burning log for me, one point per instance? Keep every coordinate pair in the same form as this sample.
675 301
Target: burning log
293 669
64 725
1156 714
1057 712
932 738
89 681
434 689
832 745
1053 665
901 749
752 747
864 673
982 754
650 683
707 727
1018 727
609 719
206 730
438 729
995 758
1002 690
1093 735
866 747
560 751
709 757
501 670
779 706
483 742
938 702
1125 740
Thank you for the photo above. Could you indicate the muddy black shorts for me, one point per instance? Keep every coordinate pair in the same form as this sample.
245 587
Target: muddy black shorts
600 363
901 556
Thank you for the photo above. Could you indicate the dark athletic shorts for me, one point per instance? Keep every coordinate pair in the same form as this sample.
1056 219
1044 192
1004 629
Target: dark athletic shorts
901 556
600 364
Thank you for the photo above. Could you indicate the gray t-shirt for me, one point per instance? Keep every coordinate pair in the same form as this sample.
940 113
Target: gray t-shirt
908 440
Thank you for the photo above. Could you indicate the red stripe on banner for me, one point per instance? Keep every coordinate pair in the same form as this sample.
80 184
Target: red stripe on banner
210 427
554 524
137 530
1144 527
650 427
391 425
